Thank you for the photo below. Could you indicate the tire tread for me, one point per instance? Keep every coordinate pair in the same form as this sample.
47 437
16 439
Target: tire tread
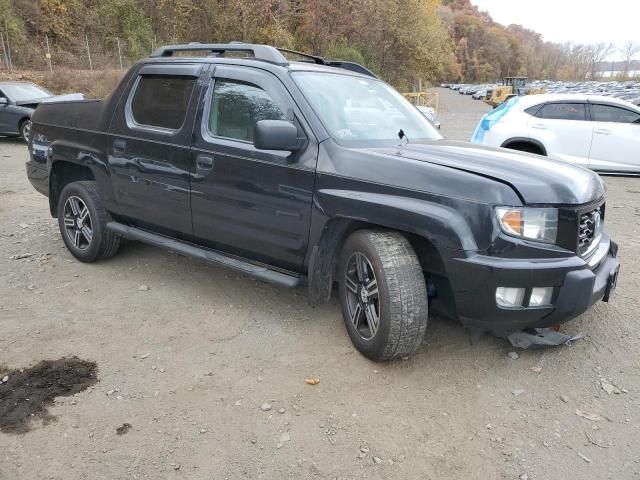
109 241
405 283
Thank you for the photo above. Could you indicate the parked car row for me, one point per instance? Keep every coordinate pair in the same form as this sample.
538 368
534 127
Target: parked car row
628 91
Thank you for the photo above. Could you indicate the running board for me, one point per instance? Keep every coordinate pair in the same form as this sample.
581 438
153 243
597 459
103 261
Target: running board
209 256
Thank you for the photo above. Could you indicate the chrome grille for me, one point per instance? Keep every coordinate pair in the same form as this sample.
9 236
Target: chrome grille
589 230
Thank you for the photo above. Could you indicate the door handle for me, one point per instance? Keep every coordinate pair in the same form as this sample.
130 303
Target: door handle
602 131
204 162
119 146
539 126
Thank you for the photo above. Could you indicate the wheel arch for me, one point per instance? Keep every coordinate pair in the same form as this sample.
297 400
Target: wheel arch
22 120
509 143
434 231
62 173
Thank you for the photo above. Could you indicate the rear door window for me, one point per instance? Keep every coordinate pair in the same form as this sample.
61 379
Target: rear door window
609 113
563 111
161 101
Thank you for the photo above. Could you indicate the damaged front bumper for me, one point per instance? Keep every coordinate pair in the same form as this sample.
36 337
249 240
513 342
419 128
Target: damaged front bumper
576 283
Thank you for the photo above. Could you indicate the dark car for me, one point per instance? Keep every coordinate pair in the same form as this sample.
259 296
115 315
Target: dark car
313 173
18 100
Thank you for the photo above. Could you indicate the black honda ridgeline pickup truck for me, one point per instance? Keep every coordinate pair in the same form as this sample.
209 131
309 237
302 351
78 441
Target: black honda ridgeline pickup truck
314 171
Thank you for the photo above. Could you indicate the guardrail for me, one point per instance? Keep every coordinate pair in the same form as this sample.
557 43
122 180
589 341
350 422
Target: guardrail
424 99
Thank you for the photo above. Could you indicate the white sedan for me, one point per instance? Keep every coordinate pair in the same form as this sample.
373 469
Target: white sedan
601 133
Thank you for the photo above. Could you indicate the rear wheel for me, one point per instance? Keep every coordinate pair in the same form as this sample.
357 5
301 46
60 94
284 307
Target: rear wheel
83 219
25 130
383 295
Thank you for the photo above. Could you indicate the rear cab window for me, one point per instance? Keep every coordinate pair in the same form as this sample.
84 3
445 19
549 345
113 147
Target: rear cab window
161 101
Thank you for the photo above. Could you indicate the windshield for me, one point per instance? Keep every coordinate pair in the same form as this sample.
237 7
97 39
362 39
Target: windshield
360 111
24 92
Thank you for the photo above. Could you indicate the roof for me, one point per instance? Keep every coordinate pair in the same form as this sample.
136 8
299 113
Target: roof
529 100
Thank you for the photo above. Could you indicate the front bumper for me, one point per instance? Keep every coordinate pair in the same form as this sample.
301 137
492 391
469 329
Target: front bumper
577 283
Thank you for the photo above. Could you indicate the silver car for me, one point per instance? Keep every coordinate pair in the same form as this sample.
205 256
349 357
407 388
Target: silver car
430 113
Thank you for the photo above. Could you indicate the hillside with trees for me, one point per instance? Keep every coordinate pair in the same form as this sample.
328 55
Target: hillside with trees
402 40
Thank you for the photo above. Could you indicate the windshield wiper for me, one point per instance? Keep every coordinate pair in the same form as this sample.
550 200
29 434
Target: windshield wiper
402 135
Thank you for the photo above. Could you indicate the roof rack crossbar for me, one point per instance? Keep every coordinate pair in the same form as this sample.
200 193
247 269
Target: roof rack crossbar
316 59
351 66
260 52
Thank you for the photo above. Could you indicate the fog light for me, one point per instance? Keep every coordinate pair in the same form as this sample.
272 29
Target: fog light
540 296
509 297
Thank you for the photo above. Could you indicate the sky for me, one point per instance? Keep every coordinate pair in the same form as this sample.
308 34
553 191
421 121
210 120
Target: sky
577 21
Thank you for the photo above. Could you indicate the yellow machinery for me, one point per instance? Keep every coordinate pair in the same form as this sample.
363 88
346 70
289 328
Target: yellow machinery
511 87
423 99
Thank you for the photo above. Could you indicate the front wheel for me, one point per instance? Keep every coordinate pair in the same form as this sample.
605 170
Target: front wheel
25 130
383 294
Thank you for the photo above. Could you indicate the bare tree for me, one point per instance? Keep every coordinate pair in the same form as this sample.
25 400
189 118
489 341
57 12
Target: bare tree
629 51
597 53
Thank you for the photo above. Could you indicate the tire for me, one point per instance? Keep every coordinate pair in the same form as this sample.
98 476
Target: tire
25 130
79 207
400 302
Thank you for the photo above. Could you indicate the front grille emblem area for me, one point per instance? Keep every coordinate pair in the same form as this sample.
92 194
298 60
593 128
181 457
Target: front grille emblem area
589 230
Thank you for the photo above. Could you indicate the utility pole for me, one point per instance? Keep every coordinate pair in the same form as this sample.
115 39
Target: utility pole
86 39
8 47
4 51
119 52
46 37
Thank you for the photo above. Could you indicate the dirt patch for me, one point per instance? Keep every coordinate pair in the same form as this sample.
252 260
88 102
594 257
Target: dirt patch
27 393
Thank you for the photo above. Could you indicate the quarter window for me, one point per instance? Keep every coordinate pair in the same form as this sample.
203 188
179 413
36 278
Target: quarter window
236 107
609 113
563 111
162 100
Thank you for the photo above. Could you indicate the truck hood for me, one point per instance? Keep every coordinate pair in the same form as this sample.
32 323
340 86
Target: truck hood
34 102
536 179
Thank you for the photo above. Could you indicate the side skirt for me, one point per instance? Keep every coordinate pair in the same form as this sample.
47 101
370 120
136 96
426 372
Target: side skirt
210 256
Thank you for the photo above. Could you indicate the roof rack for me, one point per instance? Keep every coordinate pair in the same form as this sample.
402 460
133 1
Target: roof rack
265 53
351 66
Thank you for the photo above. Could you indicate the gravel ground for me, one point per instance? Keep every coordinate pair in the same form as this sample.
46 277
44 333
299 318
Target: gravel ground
188 355
459 114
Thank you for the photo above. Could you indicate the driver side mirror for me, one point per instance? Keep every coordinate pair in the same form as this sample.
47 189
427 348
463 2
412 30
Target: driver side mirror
276 135
3 101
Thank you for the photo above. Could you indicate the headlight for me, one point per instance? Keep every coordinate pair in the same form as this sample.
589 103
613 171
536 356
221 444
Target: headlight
539 224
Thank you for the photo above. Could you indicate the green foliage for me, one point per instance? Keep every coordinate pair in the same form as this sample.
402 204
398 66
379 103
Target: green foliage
125 20
10 21
341 50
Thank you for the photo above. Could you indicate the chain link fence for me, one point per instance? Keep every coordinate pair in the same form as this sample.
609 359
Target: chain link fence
84 53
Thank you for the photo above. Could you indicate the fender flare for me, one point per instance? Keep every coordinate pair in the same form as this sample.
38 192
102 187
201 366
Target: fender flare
62 151
342 212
